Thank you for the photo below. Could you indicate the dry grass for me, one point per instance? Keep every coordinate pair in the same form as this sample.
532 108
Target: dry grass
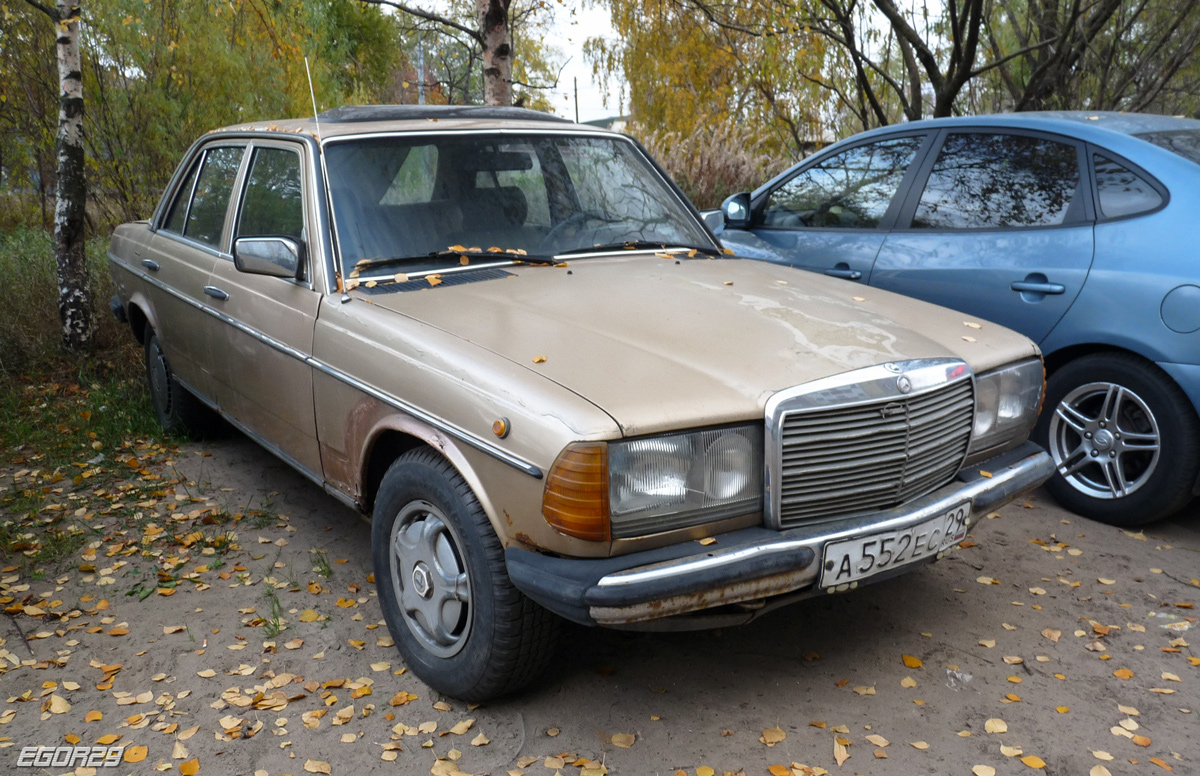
713 161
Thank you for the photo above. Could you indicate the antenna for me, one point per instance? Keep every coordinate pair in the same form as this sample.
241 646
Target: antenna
341 267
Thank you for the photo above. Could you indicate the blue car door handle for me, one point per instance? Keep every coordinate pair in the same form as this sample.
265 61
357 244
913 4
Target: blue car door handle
1029 287
844 272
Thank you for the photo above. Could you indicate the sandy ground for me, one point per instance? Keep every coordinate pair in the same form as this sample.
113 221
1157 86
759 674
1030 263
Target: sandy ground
1027 650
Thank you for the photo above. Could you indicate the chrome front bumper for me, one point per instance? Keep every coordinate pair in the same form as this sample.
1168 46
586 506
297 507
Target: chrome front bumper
754 563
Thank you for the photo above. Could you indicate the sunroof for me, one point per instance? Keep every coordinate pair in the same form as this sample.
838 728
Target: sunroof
350 113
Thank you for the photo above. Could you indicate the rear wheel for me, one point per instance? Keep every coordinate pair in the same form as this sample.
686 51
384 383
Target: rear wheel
1124 438
444 589
177 410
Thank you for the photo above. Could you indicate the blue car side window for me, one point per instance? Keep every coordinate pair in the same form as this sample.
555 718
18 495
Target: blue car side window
990 181
1122 192
850 190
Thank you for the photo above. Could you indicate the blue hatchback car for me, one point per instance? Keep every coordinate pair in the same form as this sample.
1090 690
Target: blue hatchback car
1080 230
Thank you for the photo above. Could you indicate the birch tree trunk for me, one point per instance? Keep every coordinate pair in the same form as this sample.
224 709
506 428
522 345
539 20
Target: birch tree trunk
496 38
74 297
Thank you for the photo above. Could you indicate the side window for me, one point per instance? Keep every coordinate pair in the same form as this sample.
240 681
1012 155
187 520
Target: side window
852 189
1122 192
415 179
273 203
207 215
989 181
174 222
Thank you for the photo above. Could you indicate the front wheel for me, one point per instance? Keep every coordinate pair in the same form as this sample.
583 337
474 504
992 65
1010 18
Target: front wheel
1124 439
444 589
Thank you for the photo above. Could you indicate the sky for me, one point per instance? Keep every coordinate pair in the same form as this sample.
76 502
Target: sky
572 26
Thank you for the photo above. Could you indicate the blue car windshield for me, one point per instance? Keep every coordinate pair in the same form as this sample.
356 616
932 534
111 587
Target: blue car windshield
1185 142
408 196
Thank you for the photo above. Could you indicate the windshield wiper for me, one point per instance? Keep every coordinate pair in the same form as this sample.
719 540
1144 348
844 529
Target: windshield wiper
641 245
499 256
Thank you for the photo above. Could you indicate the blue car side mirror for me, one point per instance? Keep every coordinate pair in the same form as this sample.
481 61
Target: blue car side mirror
736 210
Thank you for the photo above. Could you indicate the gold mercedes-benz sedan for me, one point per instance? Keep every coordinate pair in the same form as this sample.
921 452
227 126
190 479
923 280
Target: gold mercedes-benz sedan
511 341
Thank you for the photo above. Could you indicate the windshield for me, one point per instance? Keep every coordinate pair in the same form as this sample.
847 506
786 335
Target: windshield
403 196
1185 142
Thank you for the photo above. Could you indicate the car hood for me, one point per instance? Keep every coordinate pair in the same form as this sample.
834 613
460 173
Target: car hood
662 344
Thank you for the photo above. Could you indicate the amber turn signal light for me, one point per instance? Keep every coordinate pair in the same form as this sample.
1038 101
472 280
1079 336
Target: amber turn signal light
576 497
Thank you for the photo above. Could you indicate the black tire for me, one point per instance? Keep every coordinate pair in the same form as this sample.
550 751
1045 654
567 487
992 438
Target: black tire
503 638
1151 404
178 411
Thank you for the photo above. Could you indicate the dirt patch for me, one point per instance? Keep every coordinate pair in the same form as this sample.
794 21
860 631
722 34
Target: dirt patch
281 621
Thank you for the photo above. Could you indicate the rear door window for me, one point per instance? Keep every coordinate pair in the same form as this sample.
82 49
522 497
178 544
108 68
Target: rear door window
174 222
850 190
1122 192
210 202
992 181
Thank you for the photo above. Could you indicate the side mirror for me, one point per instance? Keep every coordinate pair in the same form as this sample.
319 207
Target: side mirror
275 256
736 210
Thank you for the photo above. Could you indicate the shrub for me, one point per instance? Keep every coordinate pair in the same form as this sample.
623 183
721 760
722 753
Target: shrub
30 332
712 162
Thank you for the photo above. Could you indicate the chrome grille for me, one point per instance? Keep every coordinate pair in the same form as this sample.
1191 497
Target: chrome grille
872 455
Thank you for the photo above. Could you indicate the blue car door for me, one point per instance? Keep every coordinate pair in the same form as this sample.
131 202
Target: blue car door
998 225
831 215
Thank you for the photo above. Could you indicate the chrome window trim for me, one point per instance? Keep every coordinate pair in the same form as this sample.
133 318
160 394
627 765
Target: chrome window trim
251 151
199 164
231 137
444 426
194 244
872 383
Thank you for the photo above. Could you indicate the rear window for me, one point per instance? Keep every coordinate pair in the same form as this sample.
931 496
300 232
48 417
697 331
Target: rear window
1185 142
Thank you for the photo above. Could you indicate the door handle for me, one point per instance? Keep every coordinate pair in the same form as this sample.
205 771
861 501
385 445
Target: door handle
843 272
150 265
1030 287
216 293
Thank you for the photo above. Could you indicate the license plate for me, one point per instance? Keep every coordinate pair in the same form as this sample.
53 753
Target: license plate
852 560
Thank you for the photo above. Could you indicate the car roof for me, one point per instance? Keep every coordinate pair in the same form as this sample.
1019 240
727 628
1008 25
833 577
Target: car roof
1076 123
360 119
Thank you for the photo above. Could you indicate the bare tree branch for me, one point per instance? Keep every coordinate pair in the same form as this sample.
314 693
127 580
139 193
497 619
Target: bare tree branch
53 14
420 13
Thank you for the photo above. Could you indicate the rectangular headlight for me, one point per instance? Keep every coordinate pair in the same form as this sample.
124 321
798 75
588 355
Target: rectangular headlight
677 480
1007 402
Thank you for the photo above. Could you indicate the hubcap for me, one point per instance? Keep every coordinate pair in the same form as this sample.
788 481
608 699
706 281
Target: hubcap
429 578
1104 440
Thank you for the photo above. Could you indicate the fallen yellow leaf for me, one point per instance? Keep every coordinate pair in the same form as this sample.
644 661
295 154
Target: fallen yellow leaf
135 754
983 770
191 767
772 736
919 745
840 755
911 662
1123 673
995 725
1033 761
